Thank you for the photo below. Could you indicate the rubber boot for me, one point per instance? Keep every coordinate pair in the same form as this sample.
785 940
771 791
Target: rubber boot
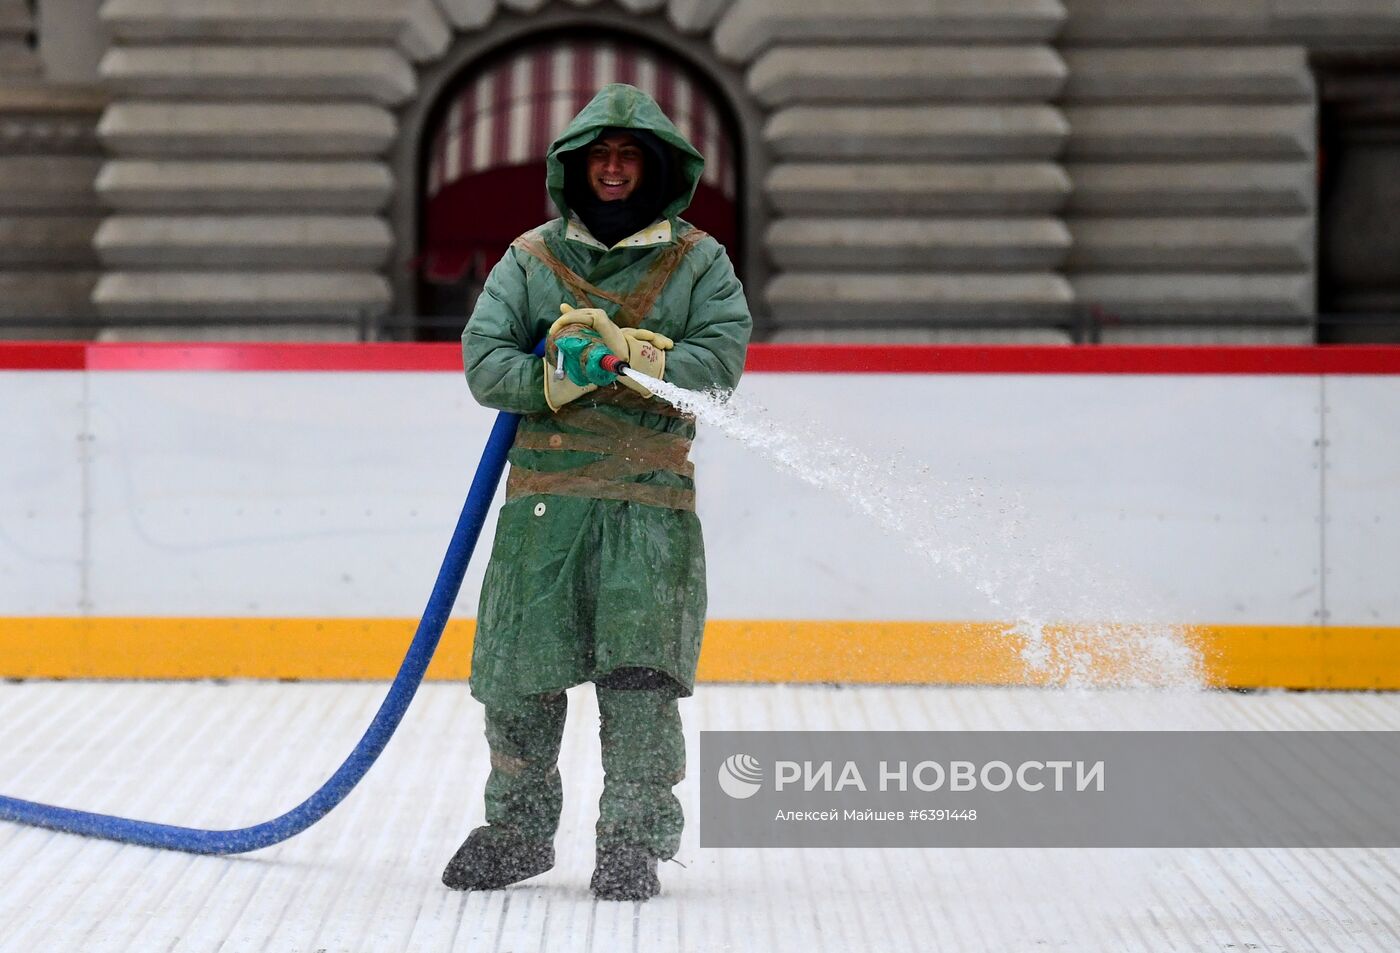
639 817
493 857
624 872
523 796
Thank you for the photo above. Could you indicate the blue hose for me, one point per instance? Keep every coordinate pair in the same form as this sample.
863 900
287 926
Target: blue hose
193 840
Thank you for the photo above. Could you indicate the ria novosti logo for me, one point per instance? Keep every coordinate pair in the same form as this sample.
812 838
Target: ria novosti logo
740 776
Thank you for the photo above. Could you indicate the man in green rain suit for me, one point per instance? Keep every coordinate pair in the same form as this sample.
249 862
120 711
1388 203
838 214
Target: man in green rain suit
598 568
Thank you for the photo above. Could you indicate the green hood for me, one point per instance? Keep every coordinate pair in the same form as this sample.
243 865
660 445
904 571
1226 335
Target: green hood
624 107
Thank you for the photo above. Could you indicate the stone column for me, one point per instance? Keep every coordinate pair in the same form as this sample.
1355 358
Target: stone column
914 174
246 172
17 56
1193 154
48 157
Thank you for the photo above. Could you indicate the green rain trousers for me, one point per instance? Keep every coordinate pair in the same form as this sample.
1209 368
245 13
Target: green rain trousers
643 758
598 562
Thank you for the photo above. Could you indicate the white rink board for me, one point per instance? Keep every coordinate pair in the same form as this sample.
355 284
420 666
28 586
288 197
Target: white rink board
41 492
1170 498
284 494
1363 501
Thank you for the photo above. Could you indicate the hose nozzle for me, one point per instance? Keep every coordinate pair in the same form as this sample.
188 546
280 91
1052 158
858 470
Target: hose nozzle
613 364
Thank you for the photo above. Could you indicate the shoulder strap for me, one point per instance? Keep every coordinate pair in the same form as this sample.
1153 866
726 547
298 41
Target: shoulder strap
643 297
532 243
634 308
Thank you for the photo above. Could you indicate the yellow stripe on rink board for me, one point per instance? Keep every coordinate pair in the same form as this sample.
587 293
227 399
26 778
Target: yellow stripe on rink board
954 653
147 647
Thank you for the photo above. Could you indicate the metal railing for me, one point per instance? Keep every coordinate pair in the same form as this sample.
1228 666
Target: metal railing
1082 325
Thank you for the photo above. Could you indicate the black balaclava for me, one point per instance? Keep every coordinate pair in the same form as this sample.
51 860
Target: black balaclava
611 222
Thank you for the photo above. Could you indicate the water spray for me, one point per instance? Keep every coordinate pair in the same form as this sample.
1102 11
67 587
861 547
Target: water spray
1071 654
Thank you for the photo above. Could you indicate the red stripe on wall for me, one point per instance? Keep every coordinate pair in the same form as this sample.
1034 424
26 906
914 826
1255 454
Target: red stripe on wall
43 357
1106 359
665 88
765 358
493 122
466 142
541 99
720 152
583 76
701 111
500 117
626 57
274 357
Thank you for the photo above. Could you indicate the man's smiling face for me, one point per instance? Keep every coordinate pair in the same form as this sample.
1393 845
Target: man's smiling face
614 167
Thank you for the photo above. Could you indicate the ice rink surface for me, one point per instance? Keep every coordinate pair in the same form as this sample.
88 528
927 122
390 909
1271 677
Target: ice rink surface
366 878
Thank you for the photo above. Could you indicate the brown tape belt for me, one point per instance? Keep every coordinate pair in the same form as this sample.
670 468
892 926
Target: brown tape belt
524 482
627 458
628 449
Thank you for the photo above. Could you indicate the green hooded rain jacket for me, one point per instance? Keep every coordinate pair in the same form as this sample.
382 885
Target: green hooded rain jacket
598 562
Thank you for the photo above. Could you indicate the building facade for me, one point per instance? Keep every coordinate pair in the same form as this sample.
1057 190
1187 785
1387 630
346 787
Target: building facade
901 170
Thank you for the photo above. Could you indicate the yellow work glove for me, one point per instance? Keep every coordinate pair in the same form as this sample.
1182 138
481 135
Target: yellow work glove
646 352
559 391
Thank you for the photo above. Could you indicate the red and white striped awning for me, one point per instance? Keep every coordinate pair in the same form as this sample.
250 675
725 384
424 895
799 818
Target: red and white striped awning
510 113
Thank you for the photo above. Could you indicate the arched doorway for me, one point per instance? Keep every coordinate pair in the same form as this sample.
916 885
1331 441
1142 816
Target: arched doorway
1358 240
483 166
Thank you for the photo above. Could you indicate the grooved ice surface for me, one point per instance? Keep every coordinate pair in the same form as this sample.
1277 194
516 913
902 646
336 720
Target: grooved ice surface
366 879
